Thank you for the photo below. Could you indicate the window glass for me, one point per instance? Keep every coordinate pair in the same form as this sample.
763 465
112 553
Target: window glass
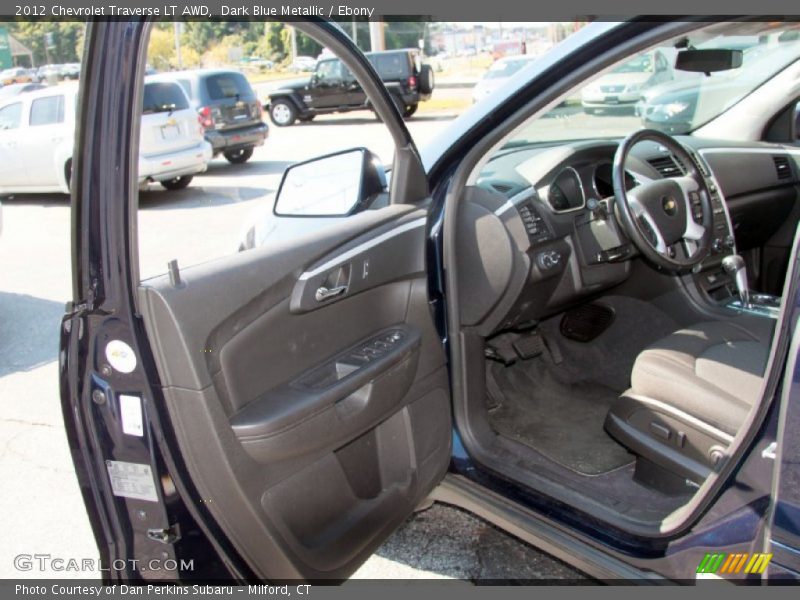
391 66
632 95
329 70
47 111
10 116
505 68
227 85
163 96
187 86
208 178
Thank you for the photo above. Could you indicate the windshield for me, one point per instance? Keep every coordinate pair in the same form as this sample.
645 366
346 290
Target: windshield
505 68
646 91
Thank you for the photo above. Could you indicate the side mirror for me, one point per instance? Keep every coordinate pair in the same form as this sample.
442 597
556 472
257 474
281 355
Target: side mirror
335 185
708 61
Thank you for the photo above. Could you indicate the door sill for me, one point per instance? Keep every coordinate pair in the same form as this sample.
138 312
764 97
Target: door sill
458 491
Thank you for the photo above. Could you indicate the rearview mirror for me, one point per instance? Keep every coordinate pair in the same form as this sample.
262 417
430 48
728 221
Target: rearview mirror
338 184
708 60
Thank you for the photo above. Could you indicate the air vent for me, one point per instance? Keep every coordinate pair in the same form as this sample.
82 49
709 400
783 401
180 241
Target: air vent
668 166
782 167
503 188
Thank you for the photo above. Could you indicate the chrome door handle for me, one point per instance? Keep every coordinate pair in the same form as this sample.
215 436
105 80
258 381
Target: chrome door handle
324 293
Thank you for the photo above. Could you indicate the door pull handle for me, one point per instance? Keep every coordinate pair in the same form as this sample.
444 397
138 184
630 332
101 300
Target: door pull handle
323 293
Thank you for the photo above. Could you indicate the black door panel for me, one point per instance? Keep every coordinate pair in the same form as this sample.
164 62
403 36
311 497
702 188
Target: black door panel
363 264
205 310
312 427
341 398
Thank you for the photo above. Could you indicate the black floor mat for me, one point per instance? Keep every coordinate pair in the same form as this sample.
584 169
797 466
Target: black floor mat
562 421
608 358
584 323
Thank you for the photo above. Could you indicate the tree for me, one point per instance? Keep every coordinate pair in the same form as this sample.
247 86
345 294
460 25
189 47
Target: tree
190 59
404 34
229 49
161 49
273 44
307 46
66 38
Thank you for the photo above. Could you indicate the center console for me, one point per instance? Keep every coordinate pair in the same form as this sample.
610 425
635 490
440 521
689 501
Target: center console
716 282
711 278
761 305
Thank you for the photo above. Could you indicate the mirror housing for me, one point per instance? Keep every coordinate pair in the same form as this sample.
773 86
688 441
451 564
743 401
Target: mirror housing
335 185
708 60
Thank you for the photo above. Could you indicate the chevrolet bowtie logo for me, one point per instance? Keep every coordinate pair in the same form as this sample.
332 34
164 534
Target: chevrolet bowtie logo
670 206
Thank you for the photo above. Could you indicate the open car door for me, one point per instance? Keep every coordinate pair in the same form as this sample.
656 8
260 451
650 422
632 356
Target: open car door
294 398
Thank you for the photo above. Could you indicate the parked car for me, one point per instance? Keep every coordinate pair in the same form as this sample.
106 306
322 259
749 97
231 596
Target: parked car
303 63
332 88
538 321
256 61
674 106
49 73
621 88
228 109
14 89
37 139
501 71
71 71
172 145
15 75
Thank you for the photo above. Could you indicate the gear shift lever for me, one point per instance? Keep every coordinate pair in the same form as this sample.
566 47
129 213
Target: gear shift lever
734 266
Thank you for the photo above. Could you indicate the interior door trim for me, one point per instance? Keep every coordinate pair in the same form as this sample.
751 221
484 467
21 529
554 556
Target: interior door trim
356 250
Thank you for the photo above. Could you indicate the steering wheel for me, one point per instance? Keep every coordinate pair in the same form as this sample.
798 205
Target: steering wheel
659 214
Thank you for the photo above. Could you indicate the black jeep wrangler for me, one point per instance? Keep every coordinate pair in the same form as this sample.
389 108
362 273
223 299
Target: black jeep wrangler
332 88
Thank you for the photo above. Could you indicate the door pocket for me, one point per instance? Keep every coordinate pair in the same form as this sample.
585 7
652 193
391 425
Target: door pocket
339 399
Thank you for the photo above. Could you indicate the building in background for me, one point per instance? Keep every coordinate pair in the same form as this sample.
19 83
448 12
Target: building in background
11 51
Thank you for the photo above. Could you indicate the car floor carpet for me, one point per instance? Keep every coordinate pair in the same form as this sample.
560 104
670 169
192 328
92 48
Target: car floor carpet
562 421
609 358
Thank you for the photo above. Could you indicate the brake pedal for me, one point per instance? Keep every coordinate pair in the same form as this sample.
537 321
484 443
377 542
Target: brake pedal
529 346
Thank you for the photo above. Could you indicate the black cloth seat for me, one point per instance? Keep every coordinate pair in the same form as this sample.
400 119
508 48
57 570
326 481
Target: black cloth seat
713 371
690 393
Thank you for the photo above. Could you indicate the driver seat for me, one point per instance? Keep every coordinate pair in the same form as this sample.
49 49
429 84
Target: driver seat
690 393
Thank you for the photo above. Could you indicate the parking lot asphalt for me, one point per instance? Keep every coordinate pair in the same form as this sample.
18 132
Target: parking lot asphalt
41 507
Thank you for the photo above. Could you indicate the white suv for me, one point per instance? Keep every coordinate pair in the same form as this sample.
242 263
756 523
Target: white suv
37 135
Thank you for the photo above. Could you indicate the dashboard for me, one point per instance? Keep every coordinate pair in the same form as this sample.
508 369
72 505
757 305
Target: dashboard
540 232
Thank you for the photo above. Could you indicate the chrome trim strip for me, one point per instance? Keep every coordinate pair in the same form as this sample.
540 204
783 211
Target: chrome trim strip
516 200
692 420
724 202
779 150
356 250
506 207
